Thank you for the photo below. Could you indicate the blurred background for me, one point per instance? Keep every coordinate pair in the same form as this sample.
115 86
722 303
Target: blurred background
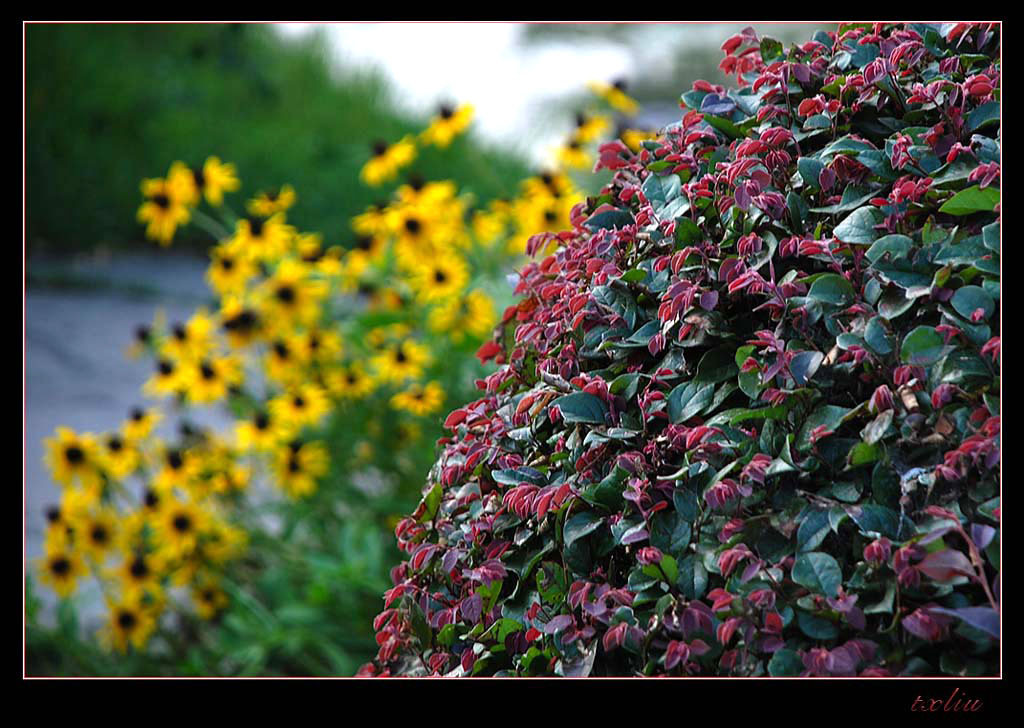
109 105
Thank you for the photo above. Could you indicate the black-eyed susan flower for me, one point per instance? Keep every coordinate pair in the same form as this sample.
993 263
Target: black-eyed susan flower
490 224
128 623
211 378
140 424
216 178
59 531
222 541
573 155
234 479
208 597
96 533
419 400
373 221
614 94
166 380
350 381
383 166
320 345
177 468
163 211
259 433
192 340
297 467
590 127
74 459
401 361
632 137
299 406
440 278
138 574
119 457
61 569
178 525
259 239
228 272
449 123
269 202
470 315
548 184
241 322
283 363
292 295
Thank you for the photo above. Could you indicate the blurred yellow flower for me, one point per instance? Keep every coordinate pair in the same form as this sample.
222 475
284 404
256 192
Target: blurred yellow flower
448 124
401 361
297 467
470 315
419 400
267 203
163 211
383 166
615 96
228 272
73 459
61 569
440 278
129 622
258 239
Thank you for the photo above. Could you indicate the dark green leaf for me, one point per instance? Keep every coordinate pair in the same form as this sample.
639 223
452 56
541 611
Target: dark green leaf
922 347
582 407
819 572
973 199
859 226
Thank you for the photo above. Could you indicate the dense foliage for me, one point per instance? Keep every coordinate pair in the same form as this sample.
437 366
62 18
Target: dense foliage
746 420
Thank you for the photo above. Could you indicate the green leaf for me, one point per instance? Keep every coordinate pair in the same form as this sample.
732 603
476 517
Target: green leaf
984 115
832 288
625 385
853 197
897 246
661 190
990 236
819 572
431 501
804 365
922 347
785 663
967 299
582 407
716 366
687 231
859 226
670 532
894 303
876 338
771 50
581 524
810 170
812 530
693 577
871 519
875 430
831 416
688 400
973 199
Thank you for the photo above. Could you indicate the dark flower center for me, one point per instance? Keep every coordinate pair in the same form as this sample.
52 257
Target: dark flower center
581 118
285 294
151 499
207 371
137 414
242 321
281 349
200 177
620 84
74 455
174 459
413 226
446 111
60 566
314 342
364 242
293 465
126 620
351 378
574 144
546 178
440 276
179 332
115 444
53 514
400 356
99 534
138 569
182 523
550 216
255 227
299 402
208 595
261 421
379 148
165 367
417 182
162 201
227 263
142 334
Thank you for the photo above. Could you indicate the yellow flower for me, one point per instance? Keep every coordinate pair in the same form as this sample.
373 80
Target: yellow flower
177 470
267 203
383 166
232 480
129 623
615 95
573 155
209 380
119 457
192 340
302 405
350 382
448 124
178 525
490 225
283 364
166 380
419 400
260 433
209 598
240 322
138 575
258 239
401 361
163 211
61 569
139 424
470 315
373 221
440 278
632 137
297 466
292 295
74 458
215 179
547 185
591 128
223 542
96 533
228 273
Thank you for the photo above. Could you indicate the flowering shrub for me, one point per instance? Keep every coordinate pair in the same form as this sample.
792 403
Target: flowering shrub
746 419
335 362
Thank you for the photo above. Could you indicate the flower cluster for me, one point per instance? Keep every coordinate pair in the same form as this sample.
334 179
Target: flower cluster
746 415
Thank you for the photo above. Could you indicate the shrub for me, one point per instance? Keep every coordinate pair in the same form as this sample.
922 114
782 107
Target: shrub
746 419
